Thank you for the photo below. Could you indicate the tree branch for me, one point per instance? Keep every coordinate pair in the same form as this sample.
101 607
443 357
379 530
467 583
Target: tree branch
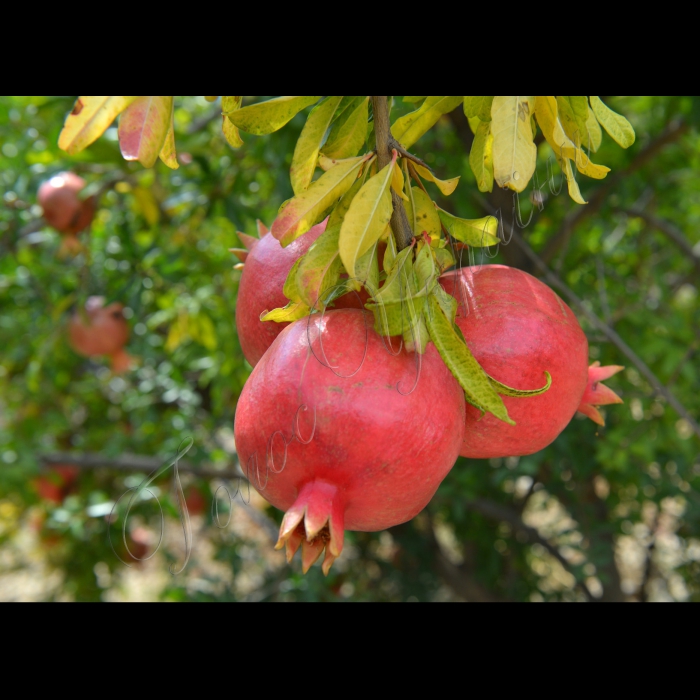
382 131
494 511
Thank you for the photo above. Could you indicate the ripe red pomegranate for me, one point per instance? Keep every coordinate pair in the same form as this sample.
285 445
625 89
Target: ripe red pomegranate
105 331
518 329
267 265
341 434
63 208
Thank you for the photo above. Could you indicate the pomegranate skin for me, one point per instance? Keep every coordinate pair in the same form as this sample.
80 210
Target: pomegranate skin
518 329
261 289
361 454
62 206
105 333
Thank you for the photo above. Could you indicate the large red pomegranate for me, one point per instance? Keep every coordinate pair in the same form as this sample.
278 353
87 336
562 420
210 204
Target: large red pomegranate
518 329
341 434
63 208
103 330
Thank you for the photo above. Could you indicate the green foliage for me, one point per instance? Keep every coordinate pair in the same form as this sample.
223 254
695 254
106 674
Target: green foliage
159 244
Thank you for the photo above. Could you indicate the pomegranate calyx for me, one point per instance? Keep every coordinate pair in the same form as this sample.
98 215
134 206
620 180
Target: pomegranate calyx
315 522
249 242
597 394
240 253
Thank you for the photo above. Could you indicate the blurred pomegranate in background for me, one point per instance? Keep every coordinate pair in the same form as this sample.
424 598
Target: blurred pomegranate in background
64 209
57 484
102 330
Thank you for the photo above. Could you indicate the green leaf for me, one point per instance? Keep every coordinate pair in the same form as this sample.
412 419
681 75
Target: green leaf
479 107
481 157
292 312
410 128
349 133
90 118
270 116
573 112
468 372
514 151
478 233
615 124
291 288
504 390
230 104
311 207
594 134
309 143
319 270
338 214
367 269
143 127
367 218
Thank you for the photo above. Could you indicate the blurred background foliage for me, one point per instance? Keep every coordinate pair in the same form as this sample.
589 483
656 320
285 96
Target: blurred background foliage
603 514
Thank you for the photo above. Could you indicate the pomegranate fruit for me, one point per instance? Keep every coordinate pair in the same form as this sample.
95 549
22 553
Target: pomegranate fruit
103 331
518 328
341 434
63 208
267 265
57 484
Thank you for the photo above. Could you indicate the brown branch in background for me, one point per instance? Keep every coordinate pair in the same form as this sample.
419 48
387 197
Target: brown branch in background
494 511
561 239
382 131
670 230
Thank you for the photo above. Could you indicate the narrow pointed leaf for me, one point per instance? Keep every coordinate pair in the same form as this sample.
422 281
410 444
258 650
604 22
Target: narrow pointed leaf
143 127
90 118
319 270
309 144
292 312
311 207
367 218
459 359
270 116
504 390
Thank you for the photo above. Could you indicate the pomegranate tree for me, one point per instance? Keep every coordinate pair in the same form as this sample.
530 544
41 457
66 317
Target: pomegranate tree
342 434
101 331
518 328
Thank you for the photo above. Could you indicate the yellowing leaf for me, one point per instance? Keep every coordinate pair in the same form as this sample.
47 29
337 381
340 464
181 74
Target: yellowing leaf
319 270
368 216
269 116
479 107
338 214
168 153
574 191
547 113
410 128
90 118
310 207
514 151
478 233
447 187
292 312
481 157
349 133
397 182
573 113
463 365
309 143
147 204
143 127
422 214
615 124
230 104
594 134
